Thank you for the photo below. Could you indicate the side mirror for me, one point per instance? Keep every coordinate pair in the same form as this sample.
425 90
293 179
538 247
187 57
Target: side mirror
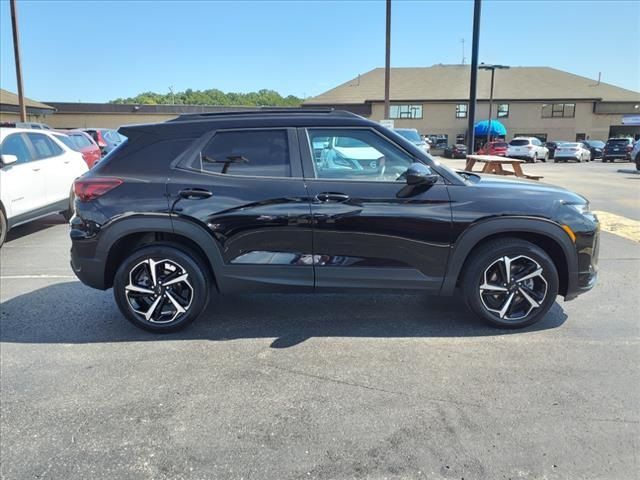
420 174
419 178
6 159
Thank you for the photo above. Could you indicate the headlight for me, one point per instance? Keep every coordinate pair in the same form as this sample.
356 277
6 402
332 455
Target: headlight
581 208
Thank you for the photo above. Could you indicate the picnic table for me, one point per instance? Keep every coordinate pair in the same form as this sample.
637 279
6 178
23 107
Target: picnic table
494 164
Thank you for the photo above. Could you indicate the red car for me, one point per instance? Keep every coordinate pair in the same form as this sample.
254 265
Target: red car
494 148
81 142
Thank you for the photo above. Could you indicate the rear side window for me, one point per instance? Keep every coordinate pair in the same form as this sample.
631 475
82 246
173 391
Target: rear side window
256 153
143 155
518 143
44 146
68 141
16 145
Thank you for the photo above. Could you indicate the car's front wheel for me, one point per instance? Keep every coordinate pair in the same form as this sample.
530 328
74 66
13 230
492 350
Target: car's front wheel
161 288
510 283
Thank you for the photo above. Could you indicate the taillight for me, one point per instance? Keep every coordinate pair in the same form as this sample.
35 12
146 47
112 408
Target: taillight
101 142
87 189
530 147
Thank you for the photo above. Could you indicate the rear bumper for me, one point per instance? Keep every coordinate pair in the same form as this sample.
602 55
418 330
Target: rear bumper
624 155
89 268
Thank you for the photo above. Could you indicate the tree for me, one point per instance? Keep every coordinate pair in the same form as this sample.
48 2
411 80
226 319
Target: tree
262 98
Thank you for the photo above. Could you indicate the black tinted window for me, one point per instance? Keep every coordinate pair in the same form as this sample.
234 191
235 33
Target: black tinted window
15 145
258 153
44 146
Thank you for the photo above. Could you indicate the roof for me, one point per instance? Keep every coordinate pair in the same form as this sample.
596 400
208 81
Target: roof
199 124
451 82
10 98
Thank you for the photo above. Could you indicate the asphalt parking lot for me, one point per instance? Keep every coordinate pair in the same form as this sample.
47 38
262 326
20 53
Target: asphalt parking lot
326 386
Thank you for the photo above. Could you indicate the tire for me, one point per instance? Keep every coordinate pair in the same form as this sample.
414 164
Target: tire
604 159
191 295
3 227
555 160
68 213
485 267
638 162
545 158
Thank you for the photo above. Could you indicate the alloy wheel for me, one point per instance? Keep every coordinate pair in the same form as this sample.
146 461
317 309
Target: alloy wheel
159 291
512 287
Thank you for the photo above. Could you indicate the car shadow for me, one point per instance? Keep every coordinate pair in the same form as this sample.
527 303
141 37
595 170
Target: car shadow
36 226
84 315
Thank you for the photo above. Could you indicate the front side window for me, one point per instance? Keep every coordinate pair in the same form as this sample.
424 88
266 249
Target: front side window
357 154
255 153
461 110
405 111
44 146
558 110
503 110
15 145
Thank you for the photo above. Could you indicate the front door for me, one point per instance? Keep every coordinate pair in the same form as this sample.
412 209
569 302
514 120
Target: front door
245 187
23 183
365 234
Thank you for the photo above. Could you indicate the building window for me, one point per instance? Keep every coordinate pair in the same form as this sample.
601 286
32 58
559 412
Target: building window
461 110
503 110
405 111
558 110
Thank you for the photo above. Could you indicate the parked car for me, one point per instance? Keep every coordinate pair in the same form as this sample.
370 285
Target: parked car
617 148
81 142
32 125
551 146
595 147
236 202
36 176
498 148
107 139
412 135
527 148
635 154
455 151
575 151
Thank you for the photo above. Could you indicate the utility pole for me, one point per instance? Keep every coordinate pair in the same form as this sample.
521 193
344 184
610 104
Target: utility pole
477 5
16 53
463 57
387 63
493 69
173 95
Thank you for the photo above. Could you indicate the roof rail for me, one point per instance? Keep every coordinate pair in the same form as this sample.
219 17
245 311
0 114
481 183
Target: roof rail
263 110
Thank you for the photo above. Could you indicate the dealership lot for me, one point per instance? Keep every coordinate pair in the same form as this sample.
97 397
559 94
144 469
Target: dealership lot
327 386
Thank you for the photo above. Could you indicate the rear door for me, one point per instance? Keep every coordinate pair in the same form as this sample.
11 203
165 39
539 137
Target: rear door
23 183
365 234
245 187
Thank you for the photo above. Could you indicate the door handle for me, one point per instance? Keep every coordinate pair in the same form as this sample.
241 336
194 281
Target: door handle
329 197
195 193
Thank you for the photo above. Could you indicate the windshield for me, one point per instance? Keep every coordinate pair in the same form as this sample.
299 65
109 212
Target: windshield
410 134
570 145
519 143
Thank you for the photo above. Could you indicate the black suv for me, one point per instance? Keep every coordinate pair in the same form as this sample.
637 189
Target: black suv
317 200
617 148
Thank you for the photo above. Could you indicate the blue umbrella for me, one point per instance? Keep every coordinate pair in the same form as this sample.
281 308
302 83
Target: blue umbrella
497 129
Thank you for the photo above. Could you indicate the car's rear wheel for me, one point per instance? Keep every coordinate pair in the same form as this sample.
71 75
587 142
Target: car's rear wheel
161 288
3 227
545 158
510 283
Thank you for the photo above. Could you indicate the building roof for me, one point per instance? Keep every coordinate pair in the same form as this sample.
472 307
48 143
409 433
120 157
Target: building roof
451 82
82 107
11 99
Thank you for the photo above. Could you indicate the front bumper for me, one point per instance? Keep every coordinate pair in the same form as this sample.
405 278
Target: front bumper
588 249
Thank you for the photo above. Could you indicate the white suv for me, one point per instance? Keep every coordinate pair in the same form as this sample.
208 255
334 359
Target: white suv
36 176
527 148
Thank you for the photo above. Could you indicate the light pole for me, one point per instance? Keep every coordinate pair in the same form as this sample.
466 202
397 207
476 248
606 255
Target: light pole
387 62
16 52
477 7
493 68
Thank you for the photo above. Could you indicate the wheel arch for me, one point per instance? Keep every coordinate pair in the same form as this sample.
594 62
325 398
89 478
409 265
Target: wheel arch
546 234
127 235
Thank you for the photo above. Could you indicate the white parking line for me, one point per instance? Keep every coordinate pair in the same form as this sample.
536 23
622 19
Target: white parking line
24 277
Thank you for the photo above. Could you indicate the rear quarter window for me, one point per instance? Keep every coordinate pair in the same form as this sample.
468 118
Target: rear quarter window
142 155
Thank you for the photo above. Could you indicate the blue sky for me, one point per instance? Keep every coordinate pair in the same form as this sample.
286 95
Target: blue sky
97 51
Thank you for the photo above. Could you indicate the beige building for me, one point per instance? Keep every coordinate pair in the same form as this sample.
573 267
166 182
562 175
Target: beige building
10 109
530 101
